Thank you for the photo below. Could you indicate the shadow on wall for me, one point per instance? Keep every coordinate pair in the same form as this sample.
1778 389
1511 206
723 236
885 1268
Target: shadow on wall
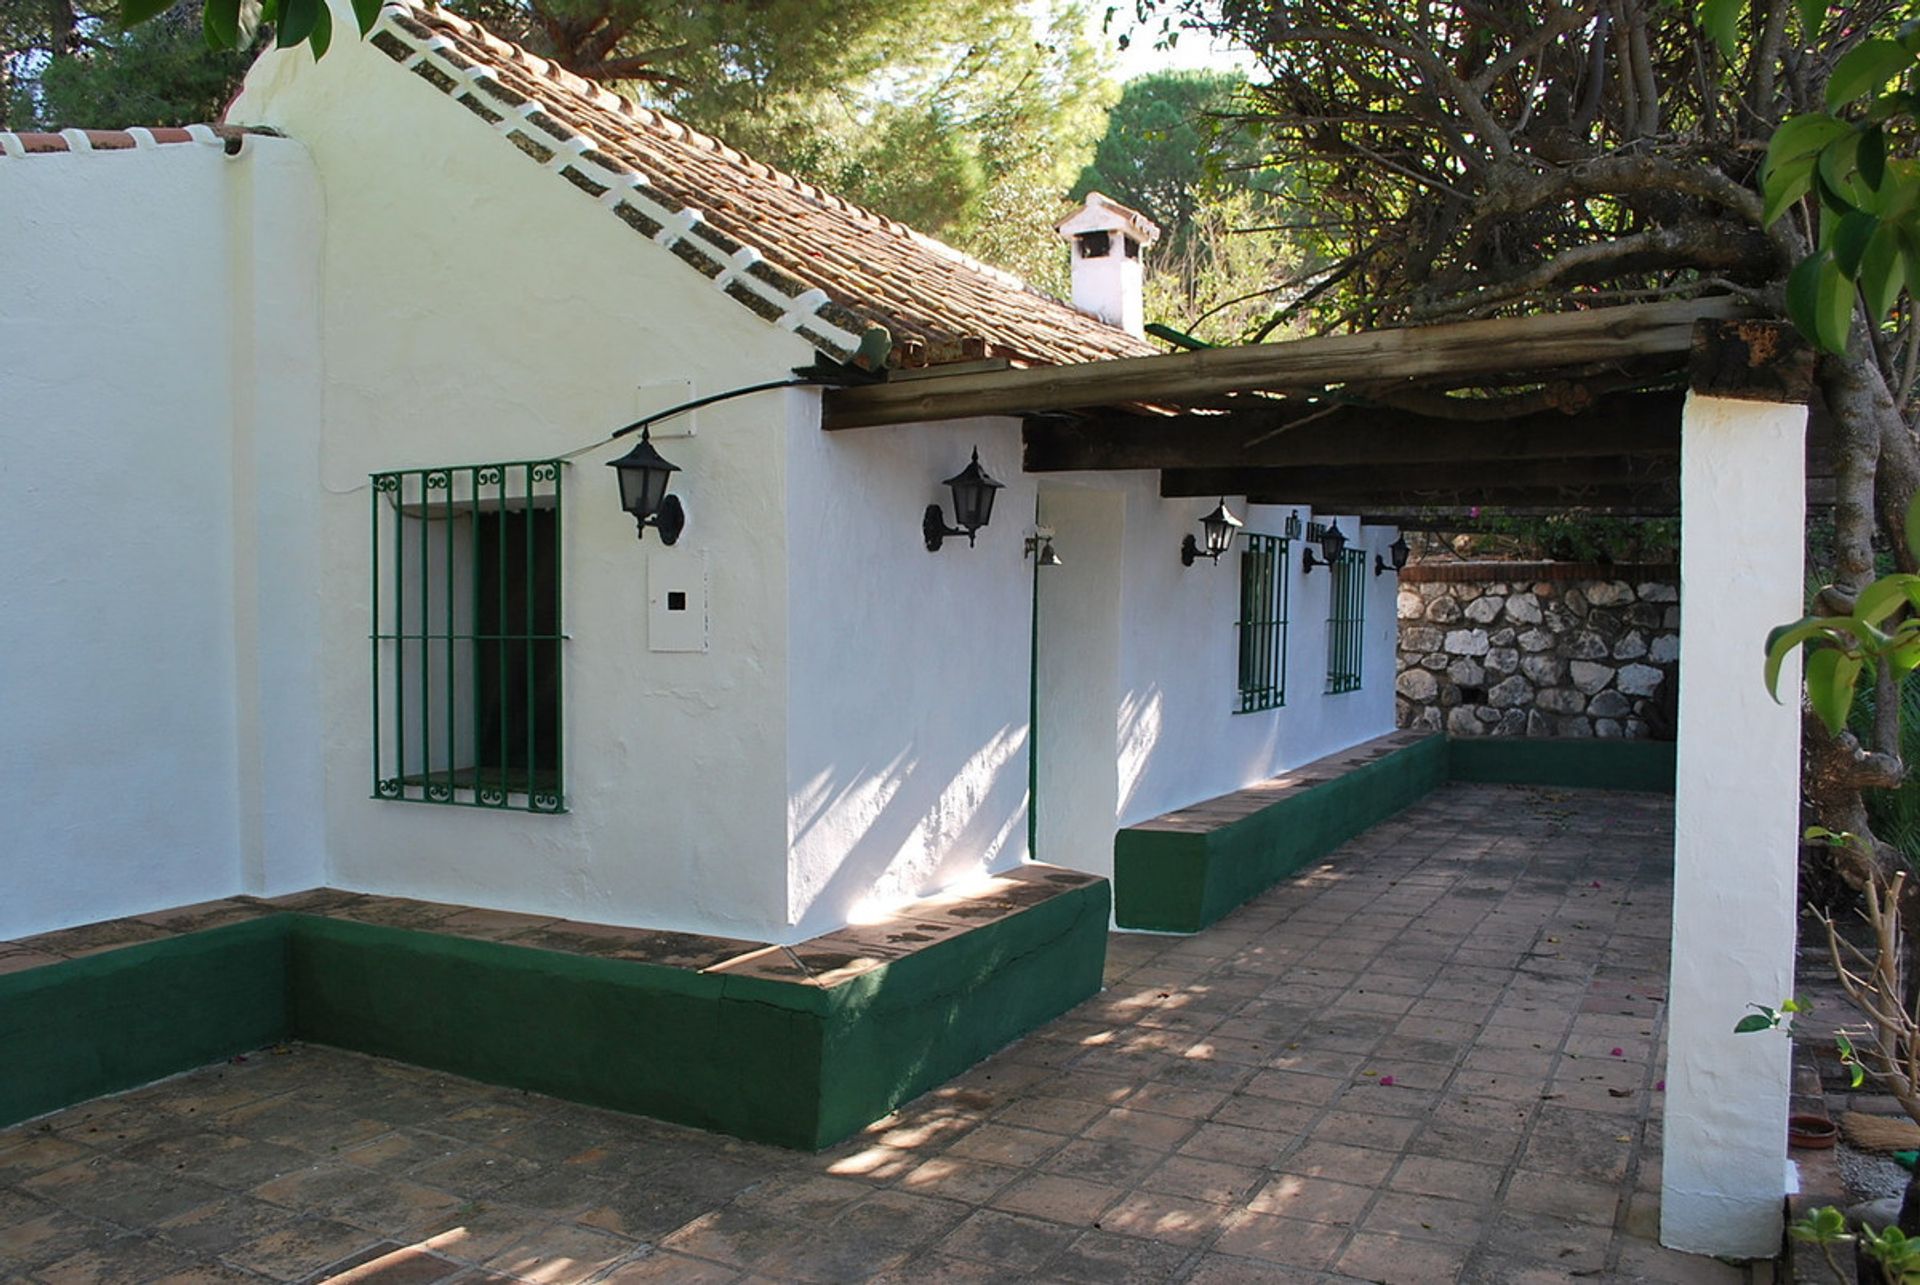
895 834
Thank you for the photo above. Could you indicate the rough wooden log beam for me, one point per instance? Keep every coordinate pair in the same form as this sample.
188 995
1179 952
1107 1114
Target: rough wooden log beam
1457 354
1463 478
1652 499
1636 424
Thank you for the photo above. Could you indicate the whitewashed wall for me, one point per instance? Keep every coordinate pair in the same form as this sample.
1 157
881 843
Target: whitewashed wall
479 309
1171 684
907 733
157 372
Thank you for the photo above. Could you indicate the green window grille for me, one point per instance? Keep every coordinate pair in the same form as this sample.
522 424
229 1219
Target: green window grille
1347 621
466 636
1263 623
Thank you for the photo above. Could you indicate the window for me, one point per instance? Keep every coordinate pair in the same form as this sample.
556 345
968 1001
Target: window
466 636
1346 621
1263 623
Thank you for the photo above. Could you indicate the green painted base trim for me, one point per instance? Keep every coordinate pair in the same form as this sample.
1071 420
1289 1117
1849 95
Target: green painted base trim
899 1030
1168 881
1575 763
795 1065
77 1029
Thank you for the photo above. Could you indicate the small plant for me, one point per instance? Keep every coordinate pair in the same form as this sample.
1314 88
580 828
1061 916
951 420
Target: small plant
1824 1227
1897 1254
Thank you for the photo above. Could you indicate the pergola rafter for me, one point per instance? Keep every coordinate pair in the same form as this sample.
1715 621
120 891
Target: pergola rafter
1578 410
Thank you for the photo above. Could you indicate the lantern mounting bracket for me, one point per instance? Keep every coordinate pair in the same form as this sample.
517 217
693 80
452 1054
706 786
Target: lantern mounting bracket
670 521
934 528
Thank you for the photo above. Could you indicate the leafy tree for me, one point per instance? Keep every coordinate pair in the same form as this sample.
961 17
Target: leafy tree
1525 155
1168 145
160 73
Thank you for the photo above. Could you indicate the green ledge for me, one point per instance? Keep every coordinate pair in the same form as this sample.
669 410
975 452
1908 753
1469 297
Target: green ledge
1181 880
797 1065
1574 763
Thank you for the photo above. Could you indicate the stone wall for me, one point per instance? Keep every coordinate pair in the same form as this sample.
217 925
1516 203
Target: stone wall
1539 649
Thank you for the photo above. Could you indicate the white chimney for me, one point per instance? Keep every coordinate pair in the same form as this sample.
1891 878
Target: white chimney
1107 239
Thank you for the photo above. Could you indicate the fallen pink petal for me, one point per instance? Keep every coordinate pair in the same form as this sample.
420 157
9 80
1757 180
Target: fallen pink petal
1619 1052
1386 1081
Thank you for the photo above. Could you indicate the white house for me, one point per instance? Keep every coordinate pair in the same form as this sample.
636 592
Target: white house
281 372
316 578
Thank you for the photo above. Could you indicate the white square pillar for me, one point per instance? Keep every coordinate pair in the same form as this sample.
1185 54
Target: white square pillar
1736 825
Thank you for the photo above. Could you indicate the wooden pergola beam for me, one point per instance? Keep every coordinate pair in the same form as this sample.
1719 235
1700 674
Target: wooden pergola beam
1633 424
1653 499
1457 354
1464 478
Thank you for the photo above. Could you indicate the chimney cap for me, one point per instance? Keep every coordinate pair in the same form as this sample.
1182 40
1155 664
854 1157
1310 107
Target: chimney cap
1101 213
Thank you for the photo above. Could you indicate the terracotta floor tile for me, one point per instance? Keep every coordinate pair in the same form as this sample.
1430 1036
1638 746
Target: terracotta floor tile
1144 1128
562 1255
1313 1199
299 1249
1213 1112
1009 1240
1288 1242
1209 1180
1401 1260
1063 1200
1169 1219
1102 1258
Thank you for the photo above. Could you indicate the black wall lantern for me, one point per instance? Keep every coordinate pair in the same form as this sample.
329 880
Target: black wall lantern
1333 542
644 475
1218 527
972 506
1397 551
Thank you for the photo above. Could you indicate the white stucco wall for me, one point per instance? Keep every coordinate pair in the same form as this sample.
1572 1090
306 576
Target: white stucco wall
1161 696
148 403
480 309
1736 823
907 734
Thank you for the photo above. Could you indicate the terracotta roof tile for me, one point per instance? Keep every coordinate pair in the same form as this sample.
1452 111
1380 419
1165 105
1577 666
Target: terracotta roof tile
123 140
808 260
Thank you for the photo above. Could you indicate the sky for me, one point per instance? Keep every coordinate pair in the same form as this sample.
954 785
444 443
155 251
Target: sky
1194 50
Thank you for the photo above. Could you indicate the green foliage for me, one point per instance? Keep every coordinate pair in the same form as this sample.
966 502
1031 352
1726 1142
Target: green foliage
1865 206
160 73
1898 1256
1825 1225
1764 1018
1881 630
1581 537
1169 145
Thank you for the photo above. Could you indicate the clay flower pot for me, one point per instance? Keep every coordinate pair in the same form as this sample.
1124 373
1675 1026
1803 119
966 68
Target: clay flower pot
1811 1132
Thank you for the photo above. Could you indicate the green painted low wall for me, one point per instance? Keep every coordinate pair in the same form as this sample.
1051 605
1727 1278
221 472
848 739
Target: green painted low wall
1574 763
77 1029
1171 882
899 1030
798 1066
1165 881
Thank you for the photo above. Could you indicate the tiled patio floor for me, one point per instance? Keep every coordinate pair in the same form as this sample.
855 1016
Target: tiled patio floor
1436 1057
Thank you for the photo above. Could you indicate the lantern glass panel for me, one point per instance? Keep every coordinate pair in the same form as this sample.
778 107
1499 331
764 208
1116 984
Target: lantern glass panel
1219 526
1333 542
1397 552
973 492
644 477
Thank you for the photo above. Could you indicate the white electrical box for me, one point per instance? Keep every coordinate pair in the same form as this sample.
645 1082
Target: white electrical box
677 600
662 394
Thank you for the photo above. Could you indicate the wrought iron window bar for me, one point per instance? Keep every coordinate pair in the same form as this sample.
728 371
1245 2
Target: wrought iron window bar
1347 622
1262 628
466 636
